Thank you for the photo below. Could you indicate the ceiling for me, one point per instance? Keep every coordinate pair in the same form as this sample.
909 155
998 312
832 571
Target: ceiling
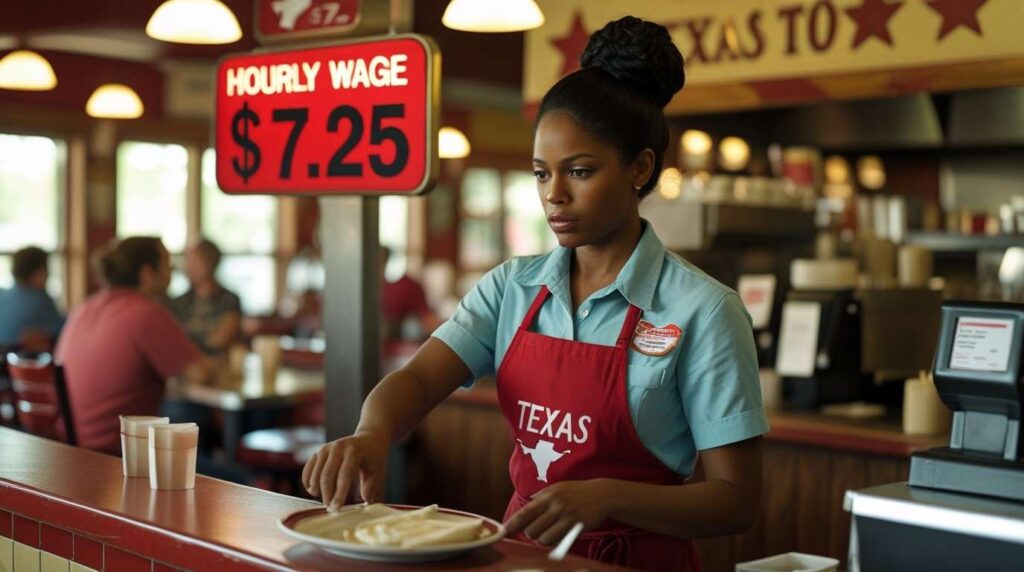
90 40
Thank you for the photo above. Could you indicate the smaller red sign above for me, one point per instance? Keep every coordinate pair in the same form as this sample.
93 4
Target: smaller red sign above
279 20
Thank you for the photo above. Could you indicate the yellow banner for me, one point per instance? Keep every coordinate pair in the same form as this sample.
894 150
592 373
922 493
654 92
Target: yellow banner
751 41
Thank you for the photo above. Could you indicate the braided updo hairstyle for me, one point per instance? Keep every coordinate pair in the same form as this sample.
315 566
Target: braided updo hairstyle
630 71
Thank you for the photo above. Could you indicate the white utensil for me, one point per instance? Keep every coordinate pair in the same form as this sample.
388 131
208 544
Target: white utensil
558 554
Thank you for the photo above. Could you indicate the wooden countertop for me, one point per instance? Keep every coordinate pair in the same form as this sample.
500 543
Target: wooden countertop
873 437
216 525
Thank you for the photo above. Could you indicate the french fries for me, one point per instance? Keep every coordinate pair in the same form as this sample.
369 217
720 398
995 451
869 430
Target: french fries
380 525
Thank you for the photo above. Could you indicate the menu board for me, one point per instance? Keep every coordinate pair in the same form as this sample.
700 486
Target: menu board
982 344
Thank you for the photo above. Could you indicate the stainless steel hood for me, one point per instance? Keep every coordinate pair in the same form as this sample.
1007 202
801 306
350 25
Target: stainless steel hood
910 121
990 117
961 120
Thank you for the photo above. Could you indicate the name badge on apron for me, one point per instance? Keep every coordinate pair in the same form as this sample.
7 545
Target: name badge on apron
652 340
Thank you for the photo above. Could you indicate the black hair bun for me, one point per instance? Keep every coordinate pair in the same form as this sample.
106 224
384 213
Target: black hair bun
639 53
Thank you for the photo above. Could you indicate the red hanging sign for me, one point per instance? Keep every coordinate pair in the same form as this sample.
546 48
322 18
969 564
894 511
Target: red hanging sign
278 20
356 118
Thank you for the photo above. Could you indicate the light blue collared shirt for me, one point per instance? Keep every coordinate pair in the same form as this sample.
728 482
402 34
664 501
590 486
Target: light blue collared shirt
703 394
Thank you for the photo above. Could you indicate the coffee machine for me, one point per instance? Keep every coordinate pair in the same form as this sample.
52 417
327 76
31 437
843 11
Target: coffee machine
819 348
979 374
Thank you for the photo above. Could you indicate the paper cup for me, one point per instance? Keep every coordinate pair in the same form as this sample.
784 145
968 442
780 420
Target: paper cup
135 443
172 456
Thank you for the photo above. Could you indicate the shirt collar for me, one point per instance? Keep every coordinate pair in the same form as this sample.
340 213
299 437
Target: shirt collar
637 281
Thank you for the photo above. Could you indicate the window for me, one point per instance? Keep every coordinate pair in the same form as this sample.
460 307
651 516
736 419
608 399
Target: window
394 233
480 246
244 227
152 188
526 226
32 182
154 199
501 216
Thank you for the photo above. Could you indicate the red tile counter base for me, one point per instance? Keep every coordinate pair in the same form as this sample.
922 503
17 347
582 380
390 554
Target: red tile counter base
76 504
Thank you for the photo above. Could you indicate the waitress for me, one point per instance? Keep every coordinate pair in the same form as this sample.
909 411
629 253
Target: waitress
616 361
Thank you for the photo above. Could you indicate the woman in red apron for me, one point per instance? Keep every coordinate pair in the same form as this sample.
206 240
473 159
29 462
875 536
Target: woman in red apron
579 458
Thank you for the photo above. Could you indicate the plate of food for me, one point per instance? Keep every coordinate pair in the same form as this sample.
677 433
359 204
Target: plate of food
392 533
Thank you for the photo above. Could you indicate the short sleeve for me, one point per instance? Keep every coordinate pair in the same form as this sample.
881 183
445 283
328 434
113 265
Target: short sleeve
164 343
473 328
718 380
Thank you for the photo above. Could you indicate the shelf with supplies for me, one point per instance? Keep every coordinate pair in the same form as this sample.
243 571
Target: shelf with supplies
953 243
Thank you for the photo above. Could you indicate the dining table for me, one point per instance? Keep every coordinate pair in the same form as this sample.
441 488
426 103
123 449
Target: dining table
236 392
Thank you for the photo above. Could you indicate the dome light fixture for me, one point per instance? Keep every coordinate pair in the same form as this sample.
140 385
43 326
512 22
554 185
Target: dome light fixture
696 142
733 154
26 70
837 170
114 101
452 144
194 22
492 16
871 172
670 183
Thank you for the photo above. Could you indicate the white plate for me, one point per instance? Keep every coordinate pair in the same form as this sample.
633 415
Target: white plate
358 551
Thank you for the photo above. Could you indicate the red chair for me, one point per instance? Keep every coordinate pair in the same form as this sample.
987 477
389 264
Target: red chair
7 415
41 396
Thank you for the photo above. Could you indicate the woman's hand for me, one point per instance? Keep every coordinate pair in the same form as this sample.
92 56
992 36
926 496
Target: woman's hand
553 511
330 473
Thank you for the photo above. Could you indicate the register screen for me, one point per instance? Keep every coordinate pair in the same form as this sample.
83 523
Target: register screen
982 344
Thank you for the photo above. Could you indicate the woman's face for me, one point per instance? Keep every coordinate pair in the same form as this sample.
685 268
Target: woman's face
197 267
587 191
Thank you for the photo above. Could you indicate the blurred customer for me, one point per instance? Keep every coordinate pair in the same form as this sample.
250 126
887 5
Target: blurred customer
210 313
120 345
405 318
300 311
404 312
28 316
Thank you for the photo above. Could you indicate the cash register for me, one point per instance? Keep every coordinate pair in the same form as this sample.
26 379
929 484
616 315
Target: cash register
979 374
963 509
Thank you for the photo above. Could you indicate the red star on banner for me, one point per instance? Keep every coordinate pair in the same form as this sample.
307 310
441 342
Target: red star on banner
956 13
572 45
872 18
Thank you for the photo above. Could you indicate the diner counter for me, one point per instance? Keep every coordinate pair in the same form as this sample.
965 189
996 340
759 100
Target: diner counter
60 503
882 437
810 461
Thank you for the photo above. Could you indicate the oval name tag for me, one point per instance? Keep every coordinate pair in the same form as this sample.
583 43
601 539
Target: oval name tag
655 341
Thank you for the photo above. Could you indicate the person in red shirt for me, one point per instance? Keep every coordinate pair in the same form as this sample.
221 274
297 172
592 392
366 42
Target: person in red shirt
401 300
121 344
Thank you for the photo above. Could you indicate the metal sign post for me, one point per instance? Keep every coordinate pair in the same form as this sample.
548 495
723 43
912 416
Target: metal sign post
350 251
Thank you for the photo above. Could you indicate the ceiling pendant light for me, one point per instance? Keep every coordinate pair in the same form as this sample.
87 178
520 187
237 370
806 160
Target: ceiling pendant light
27 71
452 144
492 16
114 101
733 154
194 22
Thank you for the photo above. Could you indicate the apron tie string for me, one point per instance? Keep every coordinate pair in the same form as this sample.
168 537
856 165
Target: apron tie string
612 547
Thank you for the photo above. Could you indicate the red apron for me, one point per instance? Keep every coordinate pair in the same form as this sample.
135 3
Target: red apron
567 404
